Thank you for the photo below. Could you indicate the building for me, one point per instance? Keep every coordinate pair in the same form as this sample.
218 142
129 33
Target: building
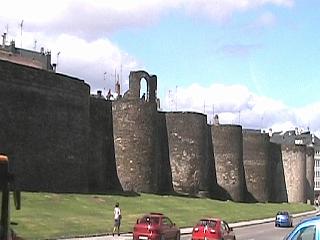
11 53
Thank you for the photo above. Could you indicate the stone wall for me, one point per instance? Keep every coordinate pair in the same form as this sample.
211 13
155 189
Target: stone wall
102 173
214 189
44 128
61 139
278 189
165 174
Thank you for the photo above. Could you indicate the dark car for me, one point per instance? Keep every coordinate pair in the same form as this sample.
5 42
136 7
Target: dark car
308 229
212 229
155 226
283 219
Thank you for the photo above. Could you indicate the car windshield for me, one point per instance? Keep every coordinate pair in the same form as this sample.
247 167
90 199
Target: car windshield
282 213
149 220
207 222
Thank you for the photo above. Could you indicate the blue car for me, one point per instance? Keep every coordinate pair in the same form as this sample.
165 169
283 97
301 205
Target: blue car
307 229
283 219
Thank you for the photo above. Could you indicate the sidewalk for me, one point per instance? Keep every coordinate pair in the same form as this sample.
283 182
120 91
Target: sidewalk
184 231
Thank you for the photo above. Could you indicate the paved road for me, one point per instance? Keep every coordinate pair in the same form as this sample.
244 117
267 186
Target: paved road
264 231
252 230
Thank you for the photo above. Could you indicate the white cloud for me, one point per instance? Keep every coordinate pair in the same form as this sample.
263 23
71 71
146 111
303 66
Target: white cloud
90 61
221 10
87 19
87 60
96 19
236 104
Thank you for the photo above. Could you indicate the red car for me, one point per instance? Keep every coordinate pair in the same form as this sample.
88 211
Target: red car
212 229
155 226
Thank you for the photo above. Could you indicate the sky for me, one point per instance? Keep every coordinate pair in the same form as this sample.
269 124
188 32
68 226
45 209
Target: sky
252 62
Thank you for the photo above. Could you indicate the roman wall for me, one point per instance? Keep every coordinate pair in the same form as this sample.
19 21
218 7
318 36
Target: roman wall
164 175
256 165
44 128
278 188
101 166
294 165
59 138
214 190
227 144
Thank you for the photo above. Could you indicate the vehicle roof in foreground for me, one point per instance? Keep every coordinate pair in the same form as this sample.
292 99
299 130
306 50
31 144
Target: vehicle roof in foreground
304 223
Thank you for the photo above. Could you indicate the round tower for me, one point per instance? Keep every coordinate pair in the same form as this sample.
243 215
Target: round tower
294 166
227 148
187 141
256 165
135 136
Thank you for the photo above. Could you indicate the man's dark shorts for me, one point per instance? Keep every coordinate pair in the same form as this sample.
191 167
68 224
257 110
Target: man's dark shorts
117 222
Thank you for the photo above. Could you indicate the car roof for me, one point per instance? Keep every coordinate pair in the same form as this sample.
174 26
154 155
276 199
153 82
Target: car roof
153 214
156 213
311 219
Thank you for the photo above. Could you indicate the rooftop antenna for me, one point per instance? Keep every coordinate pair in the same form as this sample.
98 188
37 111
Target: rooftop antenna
21 26
104 82
170 100
212 112
58 58
35 45
176 97
120 76
115 76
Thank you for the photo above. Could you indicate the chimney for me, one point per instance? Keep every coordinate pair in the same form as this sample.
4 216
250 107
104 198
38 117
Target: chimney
117 88
99 93
54 66
216 120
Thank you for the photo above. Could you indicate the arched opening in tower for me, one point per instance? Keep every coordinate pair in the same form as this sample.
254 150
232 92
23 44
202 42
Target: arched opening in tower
143 89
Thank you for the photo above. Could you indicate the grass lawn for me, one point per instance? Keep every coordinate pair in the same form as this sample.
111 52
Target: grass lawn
49 216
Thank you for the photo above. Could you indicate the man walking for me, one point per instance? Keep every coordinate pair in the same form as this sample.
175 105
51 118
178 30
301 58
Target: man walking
117 219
